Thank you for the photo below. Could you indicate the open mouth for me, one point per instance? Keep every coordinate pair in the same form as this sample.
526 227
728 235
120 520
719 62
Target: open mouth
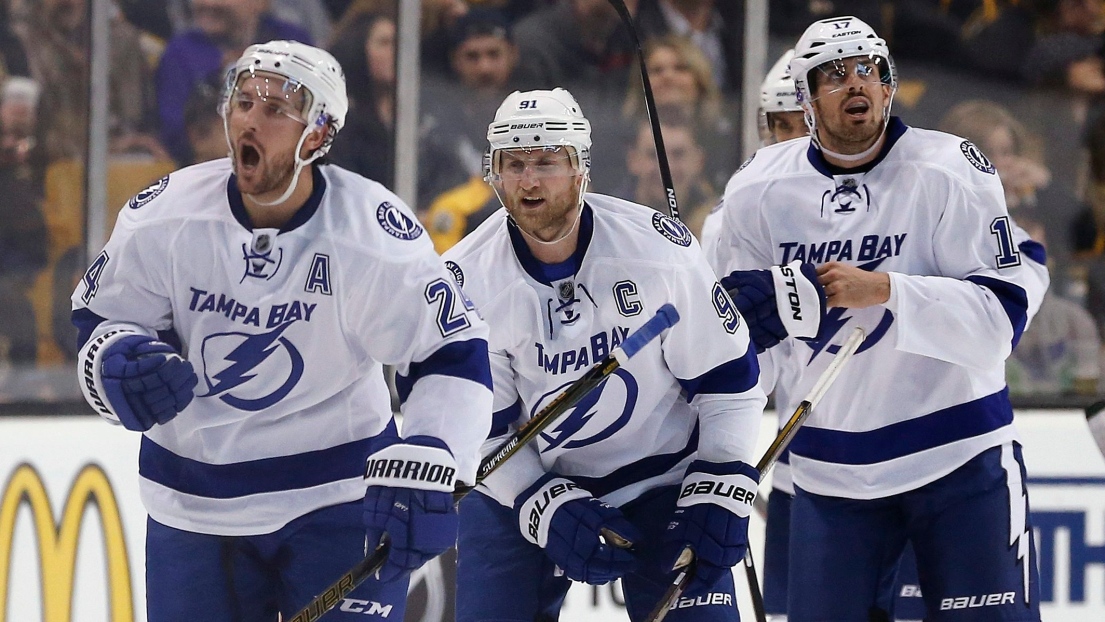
857 107
532 202
248 156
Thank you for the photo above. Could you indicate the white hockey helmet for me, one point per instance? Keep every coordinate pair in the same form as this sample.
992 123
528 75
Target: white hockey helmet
540 119
303 66
777 92
834 39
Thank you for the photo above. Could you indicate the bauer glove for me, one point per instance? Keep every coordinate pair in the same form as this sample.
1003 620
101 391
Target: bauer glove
565 520
711 518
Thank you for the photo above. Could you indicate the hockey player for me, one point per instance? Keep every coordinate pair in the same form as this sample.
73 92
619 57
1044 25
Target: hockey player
238 317
907 233
780 113
620 485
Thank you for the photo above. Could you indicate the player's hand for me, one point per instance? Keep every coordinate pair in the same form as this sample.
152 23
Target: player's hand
711 518
410 497
852 287
776 303
565 520
146 381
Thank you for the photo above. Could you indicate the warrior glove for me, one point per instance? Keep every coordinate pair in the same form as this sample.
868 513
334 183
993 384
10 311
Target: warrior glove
565 520
135 379
410 497
779 302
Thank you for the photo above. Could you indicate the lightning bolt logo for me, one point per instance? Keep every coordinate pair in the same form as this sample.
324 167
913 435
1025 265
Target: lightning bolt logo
1018 513
837 318
244 359
586 410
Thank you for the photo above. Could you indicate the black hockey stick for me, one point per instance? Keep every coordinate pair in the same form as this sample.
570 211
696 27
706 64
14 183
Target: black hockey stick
770 457
665 318
650 110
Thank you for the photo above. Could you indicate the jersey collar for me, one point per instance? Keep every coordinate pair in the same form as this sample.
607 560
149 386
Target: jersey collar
238 208
545 272
894 131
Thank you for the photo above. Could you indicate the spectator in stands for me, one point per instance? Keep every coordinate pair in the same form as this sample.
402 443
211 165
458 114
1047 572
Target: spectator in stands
715 27
23 236
576 44
19 98
686 159
1069 52
1060 351
222 29
456 116
56 37
987 37
683 85
364 44
13 58
204 124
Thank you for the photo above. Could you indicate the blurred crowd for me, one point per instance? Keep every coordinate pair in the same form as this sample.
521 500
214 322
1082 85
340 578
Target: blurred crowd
1022 79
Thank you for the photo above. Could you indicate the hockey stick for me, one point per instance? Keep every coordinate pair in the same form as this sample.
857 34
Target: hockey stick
770 457
665 317
650 110
1096 422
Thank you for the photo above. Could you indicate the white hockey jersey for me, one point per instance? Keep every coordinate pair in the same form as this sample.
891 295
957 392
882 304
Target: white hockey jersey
693 389
926 390
287 330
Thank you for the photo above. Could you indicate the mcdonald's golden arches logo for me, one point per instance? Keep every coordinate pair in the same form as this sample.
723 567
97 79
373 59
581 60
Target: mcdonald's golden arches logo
57 541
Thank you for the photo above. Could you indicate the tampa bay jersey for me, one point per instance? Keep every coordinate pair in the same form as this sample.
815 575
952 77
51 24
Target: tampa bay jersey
693 389
287 330
926 390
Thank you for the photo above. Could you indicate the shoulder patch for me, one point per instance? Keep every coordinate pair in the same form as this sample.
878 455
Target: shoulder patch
675 231
458 274
396 223
746 163
149 194
976 157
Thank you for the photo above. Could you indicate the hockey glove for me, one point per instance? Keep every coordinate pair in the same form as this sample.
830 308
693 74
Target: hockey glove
144 380
565 520
410 496
779 302
711 518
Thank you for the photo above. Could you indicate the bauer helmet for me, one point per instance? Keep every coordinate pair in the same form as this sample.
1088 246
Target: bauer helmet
539 120
777 92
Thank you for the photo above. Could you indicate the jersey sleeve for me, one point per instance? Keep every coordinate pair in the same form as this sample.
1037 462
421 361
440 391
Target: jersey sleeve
738 239
411 314
992 278
711 355
127 283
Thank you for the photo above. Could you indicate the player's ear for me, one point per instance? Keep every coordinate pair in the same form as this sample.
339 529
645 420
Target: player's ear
314 140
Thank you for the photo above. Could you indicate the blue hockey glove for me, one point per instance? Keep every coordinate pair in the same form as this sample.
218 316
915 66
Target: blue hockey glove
711 518
772 317
410 496
144 380
565 520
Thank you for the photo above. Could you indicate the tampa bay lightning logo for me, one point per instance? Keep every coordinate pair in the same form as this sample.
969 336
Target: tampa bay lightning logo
975 156
396 223
458 274
588 422
251 372
672 229
149 194
836 319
